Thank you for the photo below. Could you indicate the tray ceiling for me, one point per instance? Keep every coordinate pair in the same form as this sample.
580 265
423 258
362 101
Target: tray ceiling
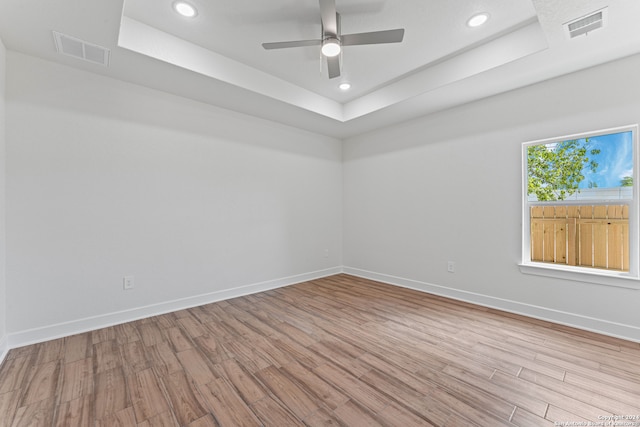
217 56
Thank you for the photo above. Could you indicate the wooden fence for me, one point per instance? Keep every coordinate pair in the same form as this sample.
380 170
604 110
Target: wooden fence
582 235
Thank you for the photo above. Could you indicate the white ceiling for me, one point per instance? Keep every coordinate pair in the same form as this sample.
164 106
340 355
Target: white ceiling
217 57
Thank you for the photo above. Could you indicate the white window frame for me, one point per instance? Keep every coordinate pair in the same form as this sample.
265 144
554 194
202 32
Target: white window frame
630 279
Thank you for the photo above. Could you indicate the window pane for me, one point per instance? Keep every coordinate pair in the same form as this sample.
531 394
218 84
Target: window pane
594 168
580 202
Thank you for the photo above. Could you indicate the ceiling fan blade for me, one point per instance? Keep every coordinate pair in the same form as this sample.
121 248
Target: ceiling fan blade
329 17
375 37
333 64
296 43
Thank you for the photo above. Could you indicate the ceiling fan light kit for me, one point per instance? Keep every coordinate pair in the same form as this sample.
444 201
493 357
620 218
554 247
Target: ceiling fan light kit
331 47
332 41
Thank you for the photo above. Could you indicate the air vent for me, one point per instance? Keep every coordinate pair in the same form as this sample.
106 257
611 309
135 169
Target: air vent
586 24
80 49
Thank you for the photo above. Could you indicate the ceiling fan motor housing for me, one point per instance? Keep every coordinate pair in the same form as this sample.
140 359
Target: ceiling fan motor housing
331 39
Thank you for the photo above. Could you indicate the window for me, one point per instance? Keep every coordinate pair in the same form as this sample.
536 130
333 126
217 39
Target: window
580 207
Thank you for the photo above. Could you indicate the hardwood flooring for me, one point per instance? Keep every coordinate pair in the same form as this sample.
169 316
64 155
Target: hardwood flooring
335 351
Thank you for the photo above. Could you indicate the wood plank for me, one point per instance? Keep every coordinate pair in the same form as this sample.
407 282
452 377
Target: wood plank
27 350
50 351
104 334
206 421
315 386
354 415
622 389
333 351
184 398
75 413
537 240
134 357
426 381
111 395
150 333
322 418
548 395
78 347
560 416
271 353
244 352
296 334
572 242
616 255
227 405
600 248
77 380
548 243
43 383
178 339
560 240
579 397
164 321
244 382
350 385
123 418
106 356
38 414
287 391
192 326
212 347
394 414
585 238
271 413
197 366
514 395
14 372
163 359
600 212
522 418
165 419
126 333
8 406
342 354
146 395
299 353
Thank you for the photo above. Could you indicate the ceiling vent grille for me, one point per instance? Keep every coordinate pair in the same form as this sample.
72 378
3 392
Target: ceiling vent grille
80 49
586 24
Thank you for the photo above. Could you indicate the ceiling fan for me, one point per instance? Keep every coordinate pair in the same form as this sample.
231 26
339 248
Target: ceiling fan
332 40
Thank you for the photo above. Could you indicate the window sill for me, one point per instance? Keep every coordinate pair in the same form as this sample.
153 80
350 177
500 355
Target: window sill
578 274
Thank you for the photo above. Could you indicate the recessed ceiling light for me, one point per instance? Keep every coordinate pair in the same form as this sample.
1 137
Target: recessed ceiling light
478 19
185 9
345 86
330 47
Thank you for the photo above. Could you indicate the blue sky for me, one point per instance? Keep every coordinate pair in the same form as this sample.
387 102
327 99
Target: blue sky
615 160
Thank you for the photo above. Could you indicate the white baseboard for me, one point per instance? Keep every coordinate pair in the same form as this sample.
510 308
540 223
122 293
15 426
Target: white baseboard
4 348
32 336
617 330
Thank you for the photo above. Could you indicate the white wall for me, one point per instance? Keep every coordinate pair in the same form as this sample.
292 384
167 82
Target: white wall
3 299
402 225
107 179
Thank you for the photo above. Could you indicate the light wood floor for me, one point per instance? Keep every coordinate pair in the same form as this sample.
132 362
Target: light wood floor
335 351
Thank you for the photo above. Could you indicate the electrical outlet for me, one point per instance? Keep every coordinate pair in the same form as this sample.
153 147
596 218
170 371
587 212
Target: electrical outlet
451 267
127 283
